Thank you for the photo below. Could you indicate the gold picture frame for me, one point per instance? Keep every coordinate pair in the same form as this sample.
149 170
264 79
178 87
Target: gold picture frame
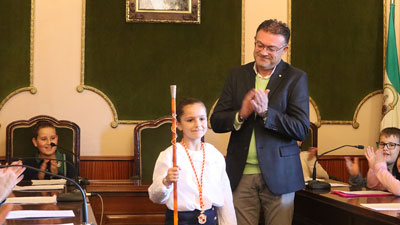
163 11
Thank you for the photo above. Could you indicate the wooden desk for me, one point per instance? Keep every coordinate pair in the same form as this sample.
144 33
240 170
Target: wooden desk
125 202
312 208
76 207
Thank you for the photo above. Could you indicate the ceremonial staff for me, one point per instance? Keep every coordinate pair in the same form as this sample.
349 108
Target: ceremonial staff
173 129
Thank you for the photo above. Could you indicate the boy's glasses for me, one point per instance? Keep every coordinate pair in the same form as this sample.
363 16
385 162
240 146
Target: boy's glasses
389 145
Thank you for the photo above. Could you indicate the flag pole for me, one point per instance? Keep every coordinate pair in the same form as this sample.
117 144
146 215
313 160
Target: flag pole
173 129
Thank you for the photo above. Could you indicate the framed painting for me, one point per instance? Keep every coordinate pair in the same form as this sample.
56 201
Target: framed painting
163 11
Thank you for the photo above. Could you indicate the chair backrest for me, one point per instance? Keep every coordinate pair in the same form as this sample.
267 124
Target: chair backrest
19 138
312 139
150 138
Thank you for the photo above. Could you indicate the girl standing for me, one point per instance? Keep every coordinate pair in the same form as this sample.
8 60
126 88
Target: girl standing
204 192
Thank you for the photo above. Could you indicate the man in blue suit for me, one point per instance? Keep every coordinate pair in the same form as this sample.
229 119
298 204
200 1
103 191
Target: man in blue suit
265 104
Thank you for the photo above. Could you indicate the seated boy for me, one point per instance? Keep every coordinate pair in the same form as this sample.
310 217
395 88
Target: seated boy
383 165
44 133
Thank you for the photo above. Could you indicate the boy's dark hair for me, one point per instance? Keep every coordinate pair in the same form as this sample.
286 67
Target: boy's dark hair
184 102
389 131
39 125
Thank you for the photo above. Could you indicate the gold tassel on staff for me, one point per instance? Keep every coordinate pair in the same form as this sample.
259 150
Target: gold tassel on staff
173 129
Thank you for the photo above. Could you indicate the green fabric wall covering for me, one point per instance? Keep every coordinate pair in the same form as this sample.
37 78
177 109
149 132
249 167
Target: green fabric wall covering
134 64
15 17
339 43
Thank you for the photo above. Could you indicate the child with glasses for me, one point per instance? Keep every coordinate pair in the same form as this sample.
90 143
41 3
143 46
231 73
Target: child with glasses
383 163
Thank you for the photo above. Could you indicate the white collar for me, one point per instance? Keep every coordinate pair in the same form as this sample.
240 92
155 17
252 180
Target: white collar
260 76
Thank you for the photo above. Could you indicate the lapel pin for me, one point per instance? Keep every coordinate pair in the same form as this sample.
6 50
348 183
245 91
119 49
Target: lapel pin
280 75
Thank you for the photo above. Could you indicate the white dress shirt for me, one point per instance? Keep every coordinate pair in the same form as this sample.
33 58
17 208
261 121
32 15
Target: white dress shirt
216 187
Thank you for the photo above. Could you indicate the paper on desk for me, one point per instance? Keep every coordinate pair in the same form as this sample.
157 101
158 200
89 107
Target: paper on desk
31 200
332 184
39 187
361 193
19 214
49 182
309 178
382 206
339 185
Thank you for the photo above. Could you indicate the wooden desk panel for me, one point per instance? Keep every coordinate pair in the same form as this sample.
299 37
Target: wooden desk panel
125 202
313 208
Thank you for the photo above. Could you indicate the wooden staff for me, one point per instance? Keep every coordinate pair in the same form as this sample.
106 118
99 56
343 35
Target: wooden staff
173 129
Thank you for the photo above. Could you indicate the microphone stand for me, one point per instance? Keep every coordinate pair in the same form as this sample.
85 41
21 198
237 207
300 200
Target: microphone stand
81 180
65 197
61 160
85 217
320 185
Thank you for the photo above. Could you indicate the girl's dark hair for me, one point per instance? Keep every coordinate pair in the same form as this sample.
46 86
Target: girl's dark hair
184 102
40 125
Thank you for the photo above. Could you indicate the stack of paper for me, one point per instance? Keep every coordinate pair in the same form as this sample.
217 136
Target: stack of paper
361 193
39 187
383 206
19 214
49 182
31 200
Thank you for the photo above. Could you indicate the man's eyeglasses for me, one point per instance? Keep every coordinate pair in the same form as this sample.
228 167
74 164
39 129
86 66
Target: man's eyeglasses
270 49
389 145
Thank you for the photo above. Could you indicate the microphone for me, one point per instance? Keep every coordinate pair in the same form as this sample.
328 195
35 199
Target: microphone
314 184
85 217
82 180
61 160
64 197
63 149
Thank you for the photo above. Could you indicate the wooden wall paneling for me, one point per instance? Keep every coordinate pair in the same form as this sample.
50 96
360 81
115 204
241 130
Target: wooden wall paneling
119 168
335 165
125 202
107 168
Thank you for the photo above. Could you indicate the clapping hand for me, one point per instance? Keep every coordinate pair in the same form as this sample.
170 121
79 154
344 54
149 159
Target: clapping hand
260 101
374 157
352 166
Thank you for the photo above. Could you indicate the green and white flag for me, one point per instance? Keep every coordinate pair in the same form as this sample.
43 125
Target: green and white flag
391 80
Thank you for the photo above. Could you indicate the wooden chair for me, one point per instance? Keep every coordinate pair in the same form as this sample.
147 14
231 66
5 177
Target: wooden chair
19 138
150 138
312 139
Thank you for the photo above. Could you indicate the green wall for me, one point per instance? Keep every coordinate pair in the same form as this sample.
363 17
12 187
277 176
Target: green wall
15 18
340 45
134 63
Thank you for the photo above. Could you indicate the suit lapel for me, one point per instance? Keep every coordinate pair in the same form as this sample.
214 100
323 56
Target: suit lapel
251 82
276 78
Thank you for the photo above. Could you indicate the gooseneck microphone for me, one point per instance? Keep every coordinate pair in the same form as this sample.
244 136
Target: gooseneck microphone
82 180
63 149
85 217
314 184
61 160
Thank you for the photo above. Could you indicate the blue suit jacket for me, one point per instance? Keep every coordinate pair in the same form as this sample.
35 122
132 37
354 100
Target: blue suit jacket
287 121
